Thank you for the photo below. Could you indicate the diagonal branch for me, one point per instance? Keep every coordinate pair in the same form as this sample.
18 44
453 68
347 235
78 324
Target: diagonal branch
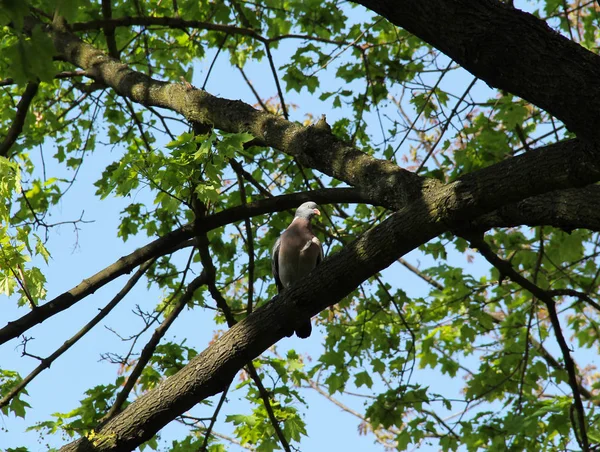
277 84
326 153
567 209
238 168
577 294
151 345
373 251
497 318
47 362
213 419
564 165
209 268
507 270
168 244
383 436
17 126
447 123
88 286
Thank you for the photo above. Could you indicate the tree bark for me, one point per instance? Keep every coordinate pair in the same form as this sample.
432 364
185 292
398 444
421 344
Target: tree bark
508 49
505 47
437 210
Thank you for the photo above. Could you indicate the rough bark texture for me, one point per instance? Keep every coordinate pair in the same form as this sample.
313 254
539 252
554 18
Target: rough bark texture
313 147
565 209
506 48
435 212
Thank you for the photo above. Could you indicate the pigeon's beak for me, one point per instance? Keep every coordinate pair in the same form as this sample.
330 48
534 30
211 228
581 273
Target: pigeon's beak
317 211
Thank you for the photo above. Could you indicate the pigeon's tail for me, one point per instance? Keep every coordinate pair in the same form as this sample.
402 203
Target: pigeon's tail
304 330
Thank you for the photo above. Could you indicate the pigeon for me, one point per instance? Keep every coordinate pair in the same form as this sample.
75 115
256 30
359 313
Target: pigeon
296 252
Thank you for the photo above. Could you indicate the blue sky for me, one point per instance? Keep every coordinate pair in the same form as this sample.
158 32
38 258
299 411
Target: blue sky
76 256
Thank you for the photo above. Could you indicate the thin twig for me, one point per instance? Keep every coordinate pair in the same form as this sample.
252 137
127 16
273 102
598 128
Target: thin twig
497 318
214 419
176 22
420 274
209 269
45 364
447 124
214 60
251 86
238 168
577 294
276 77
383 436
151 345
249 245
429 96
507 270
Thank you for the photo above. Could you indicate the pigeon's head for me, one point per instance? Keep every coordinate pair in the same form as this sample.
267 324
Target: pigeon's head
308 210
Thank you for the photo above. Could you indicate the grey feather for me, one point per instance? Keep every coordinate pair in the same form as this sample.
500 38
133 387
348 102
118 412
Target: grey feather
295 253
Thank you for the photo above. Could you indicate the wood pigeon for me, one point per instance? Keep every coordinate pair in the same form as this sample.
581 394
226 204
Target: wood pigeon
296 252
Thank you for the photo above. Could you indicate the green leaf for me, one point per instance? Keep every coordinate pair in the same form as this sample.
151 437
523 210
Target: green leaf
363 379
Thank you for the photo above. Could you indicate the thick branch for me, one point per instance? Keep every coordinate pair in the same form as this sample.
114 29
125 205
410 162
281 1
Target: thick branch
317 148
17 126
565 209
508 49
168 243
207 373
424 218
311 146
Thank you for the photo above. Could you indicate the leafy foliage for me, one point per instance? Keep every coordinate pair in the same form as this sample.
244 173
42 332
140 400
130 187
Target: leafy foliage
489 343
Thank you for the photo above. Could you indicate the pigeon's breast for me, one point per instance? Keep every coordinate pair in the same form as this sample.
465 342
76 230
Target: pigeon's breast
298 255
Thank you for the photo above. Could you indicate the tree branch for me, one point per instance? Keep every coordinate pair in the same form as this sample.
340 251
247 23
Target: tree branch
507 270
177 23
47 362
497 318
109 29
170 243
373 251
509 49
17 126
249 242
150 346
565 209
213 419
393 186
88 286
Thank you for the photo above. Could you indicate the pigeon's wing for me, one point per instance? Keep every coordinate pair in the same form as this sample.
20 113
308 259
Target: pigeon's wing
275 264
318 243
